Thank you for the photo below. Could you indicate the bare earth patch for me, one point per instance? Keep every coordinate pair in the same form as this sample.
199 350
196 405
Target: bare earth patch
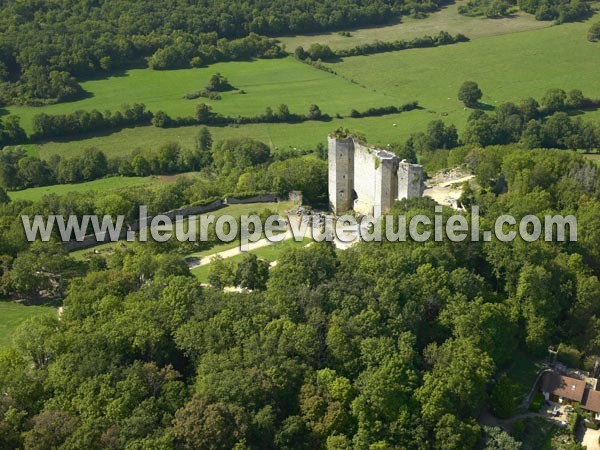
445 187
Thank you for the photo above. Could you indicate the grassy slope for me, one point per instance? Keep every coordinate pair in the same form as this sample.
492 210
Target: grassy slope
446 19
507 67
104 184
13 314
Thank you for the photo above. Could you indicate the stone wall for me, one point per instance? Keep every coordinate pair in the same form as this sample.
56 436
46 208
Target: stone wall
365 180
369 180
387 185
91 240
262 198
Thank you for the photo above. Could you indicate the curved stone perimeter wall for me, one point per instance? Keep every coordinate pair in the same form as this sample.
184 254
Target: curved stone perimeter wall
91 239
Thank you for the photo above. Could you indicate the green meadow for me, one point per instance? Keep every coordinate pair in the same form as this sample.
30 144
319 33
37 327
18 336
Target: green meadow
508 67
266 82
510 58
14 314
103 184
304 135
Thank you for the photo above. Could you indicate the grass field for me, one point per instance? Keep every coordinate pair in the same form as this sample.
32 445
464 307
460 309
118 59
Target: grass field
508 67
267 82
447 19
103 184
279 136
13 314
269 253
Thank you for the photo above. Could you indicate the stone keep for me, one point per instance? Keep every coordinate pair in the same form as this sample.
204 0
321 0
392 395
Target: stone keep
368 180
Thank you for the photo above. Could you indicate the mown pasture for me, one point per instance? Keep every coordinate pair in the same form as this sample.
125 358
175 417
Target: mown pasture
260 84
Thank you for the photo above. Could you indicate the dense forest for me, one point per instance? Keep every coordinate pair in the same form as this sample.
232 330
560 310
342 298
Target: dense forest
40 61
559 11
382 346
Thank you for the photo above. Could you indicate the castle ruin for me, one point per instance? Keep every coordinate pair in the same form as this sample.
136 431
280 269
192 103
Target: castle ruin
368 180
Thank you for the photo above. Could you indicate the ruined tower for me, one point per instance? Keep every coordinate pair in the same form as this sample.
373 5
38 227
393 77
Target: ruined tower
410 180
368 180
341 173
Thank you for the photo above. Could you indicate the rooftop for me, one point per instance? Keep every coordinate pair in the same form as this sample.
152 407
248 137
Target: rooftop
563 386
591 401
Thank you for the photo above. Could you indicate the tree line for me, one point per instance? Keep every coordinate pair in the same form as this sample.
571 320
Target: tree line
384 110
237 158
211 49
206 116
559 11
323 52
80 122
78 39
11 131
46 126
536 125
18 170
531 124
282 114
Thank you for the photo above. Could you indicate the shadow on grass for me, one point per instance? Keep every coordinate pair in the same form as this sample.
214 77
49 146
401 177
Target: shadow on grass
582 111
485 107
82 137
506 16
116 73
84 95
3 112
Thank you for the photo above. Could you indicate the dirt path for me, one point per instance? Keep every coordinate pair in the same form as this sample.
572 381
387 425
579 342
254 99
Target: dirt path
289 234
205 260
488 419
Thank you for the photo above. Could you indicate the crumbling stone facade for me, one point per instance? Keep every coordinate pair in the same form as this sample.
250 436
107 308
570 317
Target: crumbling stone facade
368 180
